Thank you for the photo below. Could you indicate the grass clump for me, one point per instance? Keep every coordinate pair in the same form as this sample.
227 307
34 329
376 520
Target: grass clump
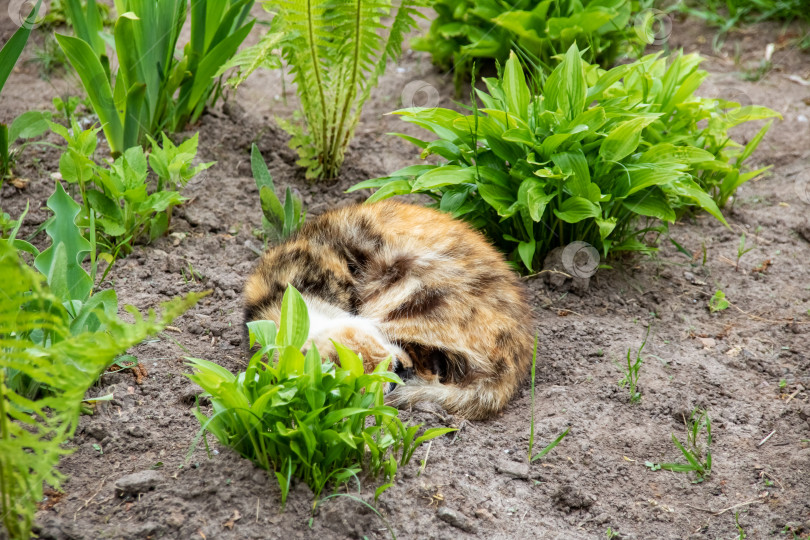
603 157
698 453
631 373
303 417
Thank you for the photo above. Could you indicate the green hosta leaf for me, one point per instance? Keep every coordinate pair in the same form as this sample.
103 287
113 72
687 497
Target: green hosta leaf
263 332
526 252
576 165
64 232
606 226
669 153
690 190
515 88
447 175
565 89
349 360
624 138
532 195
499 197
397 187
652 203
294 323
575 209
445 149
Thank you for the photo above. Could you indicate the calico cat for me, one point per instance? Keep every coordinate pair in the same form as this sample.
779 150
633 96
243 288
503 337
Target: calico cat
396 280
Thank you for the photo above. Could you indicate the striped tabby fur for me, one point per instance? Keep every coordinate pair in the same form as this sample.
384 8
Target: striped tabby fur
392 279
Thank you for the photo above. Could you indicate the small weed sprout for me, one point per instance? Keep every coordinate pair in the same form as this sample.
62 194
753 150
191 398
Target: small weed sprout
698 456
631 374
559 438
741 250
740 530
718 302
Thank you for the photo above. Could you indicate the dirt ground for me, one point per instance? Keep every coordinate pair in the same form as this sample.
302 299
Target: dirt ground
749 365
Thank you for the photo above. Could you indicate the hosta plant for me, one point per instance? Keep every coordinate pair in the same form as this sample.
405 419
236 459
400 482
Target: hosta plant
467 31
34 431
302 416
595 156
336 51
154 88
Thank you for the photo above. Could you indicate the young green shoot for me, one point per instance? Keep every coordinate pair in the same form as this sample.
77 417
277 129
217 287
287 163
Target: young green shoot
718 302
698 454
741 250
631 374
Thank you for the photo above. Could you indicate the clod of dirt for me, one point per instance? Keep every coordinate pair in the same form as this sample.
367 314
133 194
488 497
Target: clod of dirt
570 498
98 432
456 519
513 469
56 529
560 278
137 432
139 482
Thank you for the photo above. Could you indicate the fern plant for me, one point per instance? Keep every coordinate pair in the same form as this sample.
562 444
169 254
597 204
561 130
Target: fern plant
336 51
33 432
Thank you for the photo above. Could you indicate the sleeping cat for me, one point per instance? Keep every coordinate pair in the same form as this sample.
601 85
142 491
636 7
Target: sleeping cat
402 281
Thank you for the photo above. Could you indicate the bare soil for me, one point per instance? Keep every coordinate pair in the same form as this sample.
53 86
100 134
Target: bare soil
749 365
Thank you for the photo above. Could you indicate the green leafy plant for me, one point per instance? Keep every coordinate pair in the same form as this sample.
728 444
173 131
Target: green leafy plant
590 155
718 302
279 220
631 374
741 250
9 55
33 431
698 455
62 266
559 438
336 52
117 198
153 90
302 417
466 31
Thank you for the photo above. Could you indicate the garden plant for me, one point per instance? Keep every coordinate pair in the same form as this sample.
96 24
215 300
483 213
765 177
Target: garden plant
598 156
153 90
336 52
304 417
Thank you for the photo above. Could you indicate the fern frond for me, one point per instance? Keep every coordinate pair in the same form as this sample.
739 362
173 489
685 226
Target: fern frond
249 60
33 431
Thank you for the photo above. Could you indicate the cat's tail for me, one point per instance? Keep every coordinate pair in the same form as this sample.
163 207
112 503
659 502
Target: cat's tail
475 399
